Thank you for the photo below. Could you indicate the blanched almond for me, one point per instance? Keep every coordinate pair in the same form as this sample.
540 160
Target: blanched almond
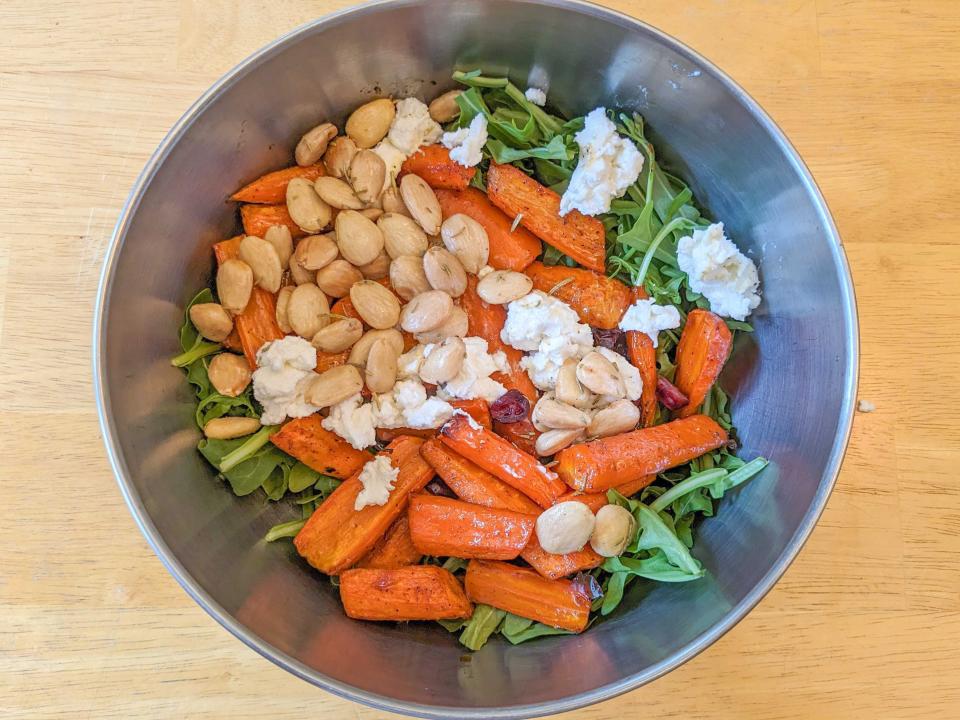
337 278
299 274
366 175
307 310
444 361
339 155
549 414
316 251
279 236
336 193
553 441
211 321
314 143
263 261
338 335
392 202
283 301
333 386
359 239
229 374
369 123
407 277
569 390
401 235
380 372
466 238
234 285
306 209
599 375
422 203
228 428
378 307
444 271
502 286
444 108
455 325
426 311
378 269
613 531
618 417
361 349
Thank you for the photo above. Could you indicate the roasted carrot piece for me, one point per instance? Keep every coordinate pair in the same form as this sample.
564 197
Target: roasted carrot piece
502 459
271 189
600 464
232 342
558 603
579 236
445 527
598 300
477 408
344 306
597 500
703 349
510 249
557 566
257 219
521 433
433 164
257 324
394 550
326 360
227 249
417 592
336 536
643 355
318 448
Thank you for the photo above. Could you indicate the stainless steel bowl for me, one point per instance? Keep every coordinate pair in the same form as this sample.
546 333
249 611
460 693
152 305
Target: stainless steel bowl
794 379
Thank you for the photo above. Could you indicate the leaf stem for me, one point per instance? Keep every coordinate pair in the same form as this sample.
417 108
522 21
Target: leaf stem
245 451
683 487
201 349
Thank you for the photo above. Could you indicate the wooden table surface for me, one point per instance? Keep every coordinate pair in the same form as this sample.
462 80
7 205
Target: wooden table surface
866 623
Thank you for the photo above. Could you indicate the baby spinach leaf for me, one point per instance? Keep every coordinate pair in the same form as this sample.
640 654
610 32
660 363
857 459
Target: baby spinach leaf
192 344
516 633
301 477
482 624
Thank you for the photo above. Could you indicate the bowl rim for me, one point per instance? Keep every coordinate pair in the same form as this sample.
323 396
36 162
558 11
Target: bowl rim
382 702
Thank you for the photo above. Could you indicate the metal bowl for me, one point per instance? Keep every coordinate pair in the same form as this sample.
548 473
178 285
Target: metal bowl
794 379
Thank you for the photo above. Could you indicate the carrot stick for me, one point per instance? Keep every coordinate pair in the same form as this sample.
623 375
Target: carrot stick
417 592
703 349
227 249
503 460
558 603
271 189
394 550
597 500
521 433
326 452
257 219
477 408
433 164
445 527
232 342
579 236
326 360
336 536
643 355
598 300
257 324
600 464
510 248
557 566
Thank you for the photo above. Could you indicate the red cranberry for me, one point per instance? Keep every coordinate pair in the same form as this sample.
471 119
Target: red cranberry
510 407
587 585
669 394
438 487
613 339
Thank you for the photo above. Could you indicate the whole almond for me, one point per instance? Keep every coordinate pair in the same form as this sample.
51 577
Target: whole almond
401 235
229 374
378 269
361 349
337 278
336 193
338 156
599 375
279 236
444 361
299 274
369 123
314 143
307 310
502 286
377 306
618 417
426 311
553 441
569 390
466 238
283 301
338 335
422 203
359 239
234 285
407 277
444 108
211 321
263 260
380 372
392 201
306 209
316 251
444 271
228 428
456 325
333 386
549 414
366 175
371 213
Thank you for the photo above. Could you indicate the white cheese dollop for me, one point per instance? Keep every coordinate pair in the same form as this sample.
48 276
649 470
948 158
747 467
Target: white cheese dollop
353 420
393 158
720 272
377 477
647 317
473 380
407 405
284 367
607 166
628 373
536 96
466 144
412 126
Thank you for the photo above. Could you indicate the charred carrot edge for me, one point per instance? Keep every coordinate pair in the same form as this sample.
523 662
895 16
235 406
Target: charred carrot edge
417 592
521 433
477 408
257 324
394 550
503 460
577 235
557 566
257 219
558 603
643 356
703 349
445 527
598 300
433 164
601 464
336 536
510 248
309 442
597 500
271 189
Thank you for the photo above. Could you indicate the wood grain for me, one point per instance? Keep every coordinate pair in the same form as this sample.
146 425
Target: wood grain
864 624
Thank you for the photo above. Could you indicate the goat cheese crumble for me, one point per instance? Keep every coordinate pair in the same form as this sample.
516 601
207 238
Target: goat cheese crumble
407 405
466 144
647 317
284 368
473 380
720 272
353 420
608 165
377 477
536 96
412 127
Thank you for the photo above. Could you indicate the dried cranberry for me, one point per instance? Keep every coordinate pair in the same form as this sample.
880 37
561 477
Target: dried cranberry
587 585
606 338
669 394
510 407
439 487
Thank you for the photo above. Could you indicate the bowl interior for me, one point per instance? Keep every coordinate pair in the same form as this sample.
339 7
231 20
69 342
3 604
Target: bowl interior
792 379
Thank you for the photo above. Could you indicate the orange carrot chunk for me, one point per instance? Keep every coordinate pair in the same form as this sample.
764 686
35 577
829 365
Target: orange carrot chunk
257 324
394 550
601 464
417 592
271 189
597 500
521 433
510 248
227 249
577 235
703 349
557 566
444 527
433 164
316 447
257 219
598 300
557 603
643 356
503 460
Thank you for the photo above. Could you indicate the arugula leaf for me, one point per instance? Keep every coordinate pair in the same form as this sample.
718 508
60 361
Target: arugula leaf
556 149
482 624
192 344
301 477
517 629
284 530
